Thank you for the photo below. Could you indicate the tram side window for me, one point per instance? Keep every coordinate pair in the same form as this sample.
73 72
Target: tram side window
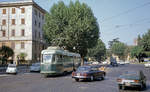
47 58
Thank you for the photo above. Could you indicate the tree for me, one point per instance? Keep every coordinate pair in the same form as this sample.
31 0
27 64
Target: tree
99 51
21 57
115 40
73 27
144 42
118 49
5 53
137 52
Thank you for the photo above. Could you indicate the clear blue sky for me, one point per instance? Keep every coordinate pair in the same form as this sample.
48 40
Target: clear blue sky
125 19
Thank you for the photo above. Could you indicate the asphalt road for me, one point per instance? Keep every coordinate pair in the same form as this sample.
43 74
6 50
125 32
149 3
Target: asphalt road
35 82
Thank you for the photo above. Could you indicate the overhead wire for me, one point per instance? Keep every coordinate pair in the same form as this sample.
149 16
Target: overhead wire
125 12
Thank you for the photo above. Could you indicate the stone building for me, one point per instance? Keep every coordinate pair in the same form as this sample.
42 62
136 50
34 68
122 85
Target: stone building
21 25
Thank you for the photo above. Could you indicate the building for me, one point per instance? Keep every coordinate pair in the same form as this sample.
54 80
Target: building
21 25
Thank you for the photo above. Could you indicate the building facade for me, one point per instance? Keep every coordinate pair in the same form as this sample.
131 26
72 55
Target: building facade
21 25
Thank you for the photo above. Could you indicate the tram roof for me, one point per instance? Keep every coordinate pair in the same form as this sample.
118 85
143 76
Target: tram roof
61 52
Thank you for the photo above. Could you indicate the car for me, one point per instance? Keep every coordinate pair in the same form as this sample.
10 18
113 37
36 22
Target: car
11 69
104 62
95 63
134 79
127 62
114 64
121 62
147 64
35 67
88 73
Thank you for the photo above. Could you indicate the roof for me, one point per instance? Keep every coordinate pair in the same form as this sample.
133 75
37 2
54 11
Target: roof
16 3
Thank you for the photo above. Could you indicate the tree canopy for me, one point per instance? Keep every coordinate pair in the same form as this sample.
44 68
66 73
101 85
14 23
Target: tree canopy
73 26
118 49
5 53
137 51
98 52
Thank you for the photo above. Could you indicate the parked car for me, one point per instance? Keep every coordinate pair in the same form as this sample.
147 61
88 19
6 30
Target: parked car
12 68
104 62
114 64
35 67
88 73
134 79
147 64
121 62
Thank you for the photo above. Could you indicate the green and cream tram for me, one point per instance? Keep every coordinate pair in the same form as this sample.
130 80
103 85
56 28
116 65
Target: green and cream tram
58 61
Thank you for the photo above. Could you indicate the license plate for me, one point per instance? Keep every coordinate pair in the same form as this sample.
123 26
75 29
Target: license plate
78 74
127 84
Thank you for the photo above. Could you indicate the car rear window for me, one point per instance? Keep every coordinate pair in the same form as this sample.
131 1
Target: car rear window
130 76
83 69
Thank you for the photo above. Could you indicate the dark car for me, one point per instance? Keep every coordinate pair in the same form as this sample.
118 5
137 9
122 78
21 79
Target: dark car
114 64
88 73
134 79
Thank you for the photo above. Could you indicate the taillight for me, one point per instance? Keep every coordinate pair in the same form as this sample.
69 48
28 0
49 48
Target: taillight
119 80
136 81
73 73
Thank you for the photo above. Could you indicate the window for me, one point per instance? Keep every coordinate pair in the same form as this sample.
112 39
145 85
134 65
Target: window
39 24
4 33
13 45
22 32
35 23
22 10
35 33
43 16
13 11
13 32
4 11
39 34
22 45
13 22
22 21
3 22
35 12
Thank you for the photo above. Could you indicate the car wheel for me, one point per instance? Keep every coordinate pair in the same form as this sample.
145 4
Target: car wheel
76 79
45 75
119 86
140 87
144 85
103 77
123 87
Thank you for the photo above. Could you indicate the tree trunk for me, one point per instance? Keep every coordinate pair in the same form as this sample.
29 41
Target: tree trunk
82 61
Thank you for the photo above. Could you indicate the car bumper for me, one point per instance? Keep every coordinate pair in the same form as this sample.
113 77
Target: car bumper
81 77
130 84
13 72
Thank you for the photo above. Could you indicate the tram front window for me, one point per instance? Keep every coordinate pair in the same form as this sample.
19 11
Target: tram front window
47 58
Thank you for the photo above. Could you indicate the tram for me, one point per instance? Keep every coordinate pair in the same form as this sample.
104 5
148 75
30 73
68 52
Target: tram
55 61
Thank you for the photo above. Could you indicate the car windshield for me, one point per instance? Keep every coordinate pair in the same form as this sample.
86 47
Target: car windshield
12 65
84 69
47 58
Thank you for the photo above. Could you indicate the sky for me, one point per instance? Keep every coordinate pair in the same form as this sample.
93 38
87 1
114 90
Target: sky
123 19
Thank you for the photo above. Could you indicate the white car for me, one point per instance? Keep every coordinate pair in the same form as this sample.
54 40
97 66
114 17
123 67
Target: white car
147 64
105 62
121 62
35 67
12 68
